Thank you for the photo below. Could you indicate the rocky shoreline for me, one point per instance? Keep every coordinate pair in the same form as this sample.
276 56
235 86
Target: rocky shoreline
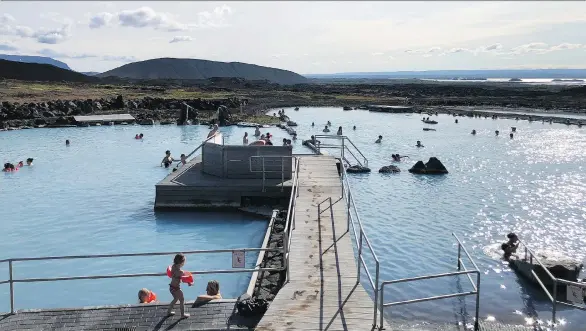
269 283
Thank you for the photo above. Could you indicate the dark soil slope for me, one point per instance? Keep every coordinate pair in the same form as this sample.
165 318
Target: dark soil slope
40 72
187 69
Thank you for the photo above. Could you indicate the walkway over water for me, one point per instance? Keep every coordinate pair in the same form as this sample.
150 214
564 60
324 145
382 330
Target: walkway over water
322 292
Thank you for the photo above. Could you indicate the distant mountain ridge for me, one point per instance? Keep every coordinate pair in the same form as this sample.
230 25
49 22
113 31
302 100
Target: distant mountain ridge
449 74
35 59
191 69
40 72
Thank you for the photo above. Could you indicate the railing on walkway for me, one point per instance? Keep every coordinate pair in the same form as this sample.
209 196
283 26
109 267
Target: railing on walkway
290 223
461 266
553 297
264 170
345 145
361 238
12 280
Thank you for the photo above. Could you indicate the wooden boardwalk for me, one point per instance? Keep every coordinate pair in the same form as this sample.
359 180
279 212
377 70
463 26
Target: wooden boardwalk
322 293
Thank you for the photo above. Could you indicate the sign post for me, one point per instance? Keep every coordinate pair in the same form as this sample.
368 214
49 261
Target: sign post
238 259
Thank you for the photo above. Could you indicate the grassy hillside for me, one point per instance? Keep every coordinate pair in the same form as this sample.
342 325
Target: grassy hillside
184 69
35 59
40 72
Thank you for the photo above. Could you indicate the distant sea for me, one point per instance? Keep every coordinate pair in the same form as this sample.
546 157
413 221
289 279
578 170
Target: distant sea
536 81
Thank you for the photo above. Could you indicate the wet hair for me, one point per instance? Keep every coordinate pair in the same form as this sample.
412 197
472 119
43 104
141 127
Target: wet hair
30 159
380 137
141 135
284 140
182 155
6 165
213 287
505 246
67 142
143 293
512 235
167 152
179 258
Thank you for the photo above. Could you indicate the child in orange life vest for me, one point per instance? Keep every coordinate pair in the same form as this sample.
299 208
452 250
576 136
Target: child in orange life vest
175 286
146 296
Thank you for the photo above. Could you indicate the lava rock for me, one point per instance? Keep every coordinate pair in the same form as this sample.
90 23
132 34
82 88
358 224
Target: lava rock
432 167
389 169
356 169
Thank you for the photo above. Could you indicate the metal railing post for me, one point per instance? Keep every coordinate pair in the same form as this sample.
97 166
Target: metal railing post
286 253
477 322
376 295
263 175
459 257
555 301
382 307
359 243
11 287
343 147
282 173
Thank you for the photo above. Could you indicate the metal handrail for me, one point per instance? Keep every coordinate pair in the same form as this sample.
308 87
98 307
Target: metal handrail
264 171
466 272
290 223
552 296
13 280
361 238
343 147
201 145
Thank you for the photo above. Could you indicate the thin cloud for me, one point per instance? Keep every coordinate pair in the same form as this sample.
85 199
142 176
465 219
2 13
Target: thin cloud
433 50
58 55
493 47
179 39
100 19
41 35
7 47
146 17
377 54
6 18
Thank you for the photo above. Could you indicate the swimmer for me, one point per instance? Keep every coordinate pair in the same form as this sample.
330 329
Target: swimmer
141 135
473 132
419 144
136 136
510 247
183 159
212 292
257 131
146 296
295 136
284 141
511 135
456 121
329 123
175 286
245 139
20 164
29 161
262 137
312 123
339 133
268 142
354 127
288 142
67 142
378 141
167 160
496 133
326 129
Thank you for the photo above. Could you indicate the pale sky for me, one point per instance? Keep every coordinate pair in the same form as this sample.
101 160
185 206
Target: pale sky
305 37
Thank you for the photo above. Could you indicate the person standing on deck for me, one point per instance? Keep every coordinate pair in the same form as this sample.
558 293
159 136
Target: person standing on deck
245 139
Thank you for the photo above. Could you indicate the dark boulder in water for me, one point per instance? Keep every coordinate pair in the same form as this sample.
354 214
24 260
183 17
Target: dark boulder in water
559 266
356 169
432 167
389 169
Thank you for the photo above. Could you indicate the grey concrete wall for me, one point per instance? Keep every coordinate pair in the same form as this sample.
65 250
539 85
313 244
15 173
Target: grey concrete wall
213 159
231 161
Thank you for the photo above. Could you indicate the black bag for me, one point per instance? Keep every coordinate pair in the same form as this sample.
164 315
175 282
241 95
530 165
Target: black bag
252 307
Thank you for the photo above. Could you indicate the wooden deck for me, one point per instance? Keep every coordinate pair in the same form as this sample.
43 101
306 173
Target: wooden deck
322 293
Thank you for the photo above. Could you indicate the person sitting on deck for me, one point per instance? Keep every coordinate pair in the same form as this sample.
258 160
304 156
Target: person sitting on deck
510 247
146 296
212 292
167 160
214 131
378 141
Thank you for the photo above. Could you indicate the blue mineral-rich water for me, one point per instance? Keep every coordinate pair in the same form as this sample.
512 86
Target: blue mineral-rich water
97 196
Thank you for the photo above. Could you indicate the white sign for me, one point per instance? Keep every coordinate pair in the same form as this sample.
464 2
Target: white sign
238 259
575 294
